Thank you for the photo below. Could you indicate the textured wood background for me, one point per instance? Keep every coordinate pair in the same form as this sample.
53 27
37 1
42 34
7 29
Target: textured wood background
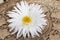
51 9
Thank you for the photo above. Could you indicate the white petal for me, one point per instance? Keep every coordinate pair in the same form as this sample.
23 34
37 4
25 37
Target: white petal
28 34
14 31
38 29
36 33
42 15
19 32
10 20
18 6
13 14
24 33
32 32
17 10
11 29
41 26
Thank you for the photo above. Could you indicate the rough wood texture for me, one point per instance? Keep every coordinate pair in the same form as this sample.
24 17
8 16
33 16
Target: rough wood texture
51 9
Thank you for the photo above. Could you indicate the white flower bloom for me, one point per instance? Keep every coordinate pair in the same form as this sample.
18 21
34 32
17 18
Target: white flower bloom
27 19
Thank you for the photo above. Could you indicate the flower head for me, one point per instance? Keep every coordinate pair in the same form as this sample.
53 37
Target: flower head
27 19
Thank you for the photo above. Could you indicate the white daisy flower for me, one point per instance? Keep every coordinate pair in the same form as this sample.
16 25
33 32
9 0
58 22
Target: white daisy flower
27 19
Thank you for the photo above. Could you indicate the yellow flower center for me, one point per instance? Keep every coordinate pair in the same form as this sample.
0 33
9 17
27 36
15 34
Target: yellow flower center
26 19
